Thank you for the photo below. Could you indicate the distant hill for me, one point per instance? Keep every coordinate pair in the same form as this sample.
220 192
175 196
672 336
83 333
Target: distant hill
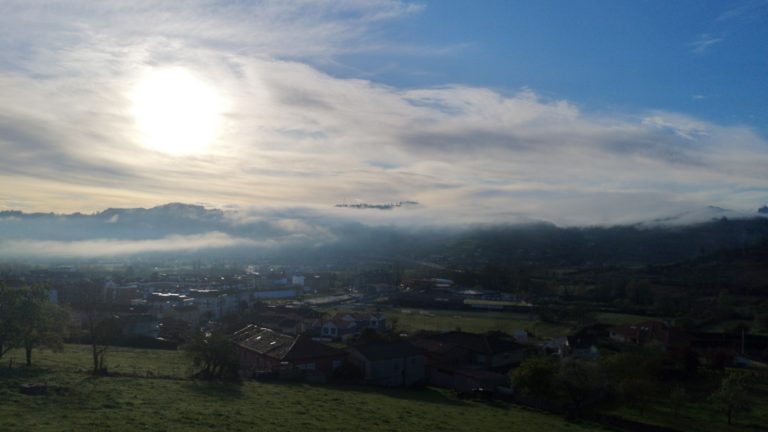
304 236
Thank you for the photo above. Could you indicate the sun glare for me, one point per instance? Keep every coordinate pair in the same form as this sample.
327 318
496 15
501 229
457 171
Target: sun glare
175 112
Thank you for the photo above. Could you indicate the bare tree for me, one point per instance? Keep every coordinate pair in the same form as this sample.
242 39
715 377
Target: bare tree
101 327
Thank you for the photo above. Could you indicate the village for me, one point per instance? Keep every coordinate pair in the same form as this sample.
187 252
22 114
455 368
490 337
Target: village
304 326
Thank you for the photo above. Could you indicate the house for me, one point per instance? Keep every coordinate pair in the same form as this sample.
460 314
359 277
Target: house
264 350
496 351
120 294
377 288
344 324
523 336
140 325
450 366
650 331
555 346
588 341
375 321
583 346
285 324
715 348
442 353
290 320
334 328
389 364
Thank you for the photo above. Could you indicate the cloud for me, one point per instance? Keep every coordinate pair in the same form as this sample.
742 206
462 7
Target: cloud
293 136
703 43
97 248
750 9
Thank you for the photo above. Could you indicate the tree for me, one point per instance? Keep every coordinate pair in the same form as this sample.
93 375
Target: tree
761 321
535 376
582 381
638 292
636 391
101 327
677 397
102 330
8 319
633 374
213 354
731 396
39 321
639 363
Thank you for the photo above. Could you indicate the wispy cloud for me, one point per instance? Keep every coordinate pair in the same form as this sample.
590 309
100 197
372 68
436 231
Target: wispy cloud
703 43
749 9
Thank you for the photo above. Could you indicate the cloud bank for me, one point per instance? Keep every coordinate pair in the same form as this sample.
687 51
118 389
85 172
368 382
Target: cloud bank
294 136
100 248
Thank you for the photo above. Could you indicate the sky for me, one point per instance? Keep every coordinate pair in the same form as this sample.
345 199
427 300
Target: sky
574 112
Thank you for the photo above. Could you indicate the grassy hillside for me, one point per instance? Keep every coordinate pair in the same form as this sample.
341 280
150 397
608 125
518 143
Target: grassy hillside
160 398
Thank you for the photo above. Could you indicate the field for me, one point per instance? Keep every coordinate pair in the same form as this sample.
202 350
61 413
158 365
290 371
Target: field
160 398
618 319
700 414
475 322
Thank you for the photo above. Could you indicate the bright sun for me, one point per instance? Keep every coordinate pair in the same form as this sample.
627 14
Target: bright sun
176 113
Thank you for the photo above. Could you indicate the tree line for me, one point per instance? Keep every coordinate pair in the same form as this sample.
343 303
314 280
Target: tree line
638 378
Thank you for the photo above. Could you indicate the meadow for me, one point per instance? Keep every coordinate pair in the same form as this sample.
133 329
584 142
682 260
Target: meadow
149 390
471 321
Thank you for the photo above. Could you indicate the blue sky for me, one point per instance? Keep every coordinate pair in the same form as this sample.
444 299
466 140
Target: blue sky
705 58
575 112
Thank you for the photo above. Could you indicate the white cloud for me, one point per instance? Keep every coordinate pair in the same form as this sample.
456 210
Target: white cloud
294 136
747 10
703 43
96 248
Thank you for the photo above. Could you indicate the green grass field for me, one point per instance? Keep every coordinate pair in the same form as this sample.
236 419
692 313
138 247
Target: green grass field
475 322
699 415
617 319
78 401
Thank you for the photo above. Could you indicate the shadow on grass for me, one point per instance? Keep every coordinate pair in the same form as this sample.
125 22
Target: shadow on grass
22 373
416 394
495 403
420 394
216 389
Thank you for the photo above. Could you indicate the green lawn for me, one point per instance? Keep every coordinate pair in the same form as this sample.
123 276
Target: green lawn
493 302
133 361
729 325
699 413
78 401
475 322
613 318
700 416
